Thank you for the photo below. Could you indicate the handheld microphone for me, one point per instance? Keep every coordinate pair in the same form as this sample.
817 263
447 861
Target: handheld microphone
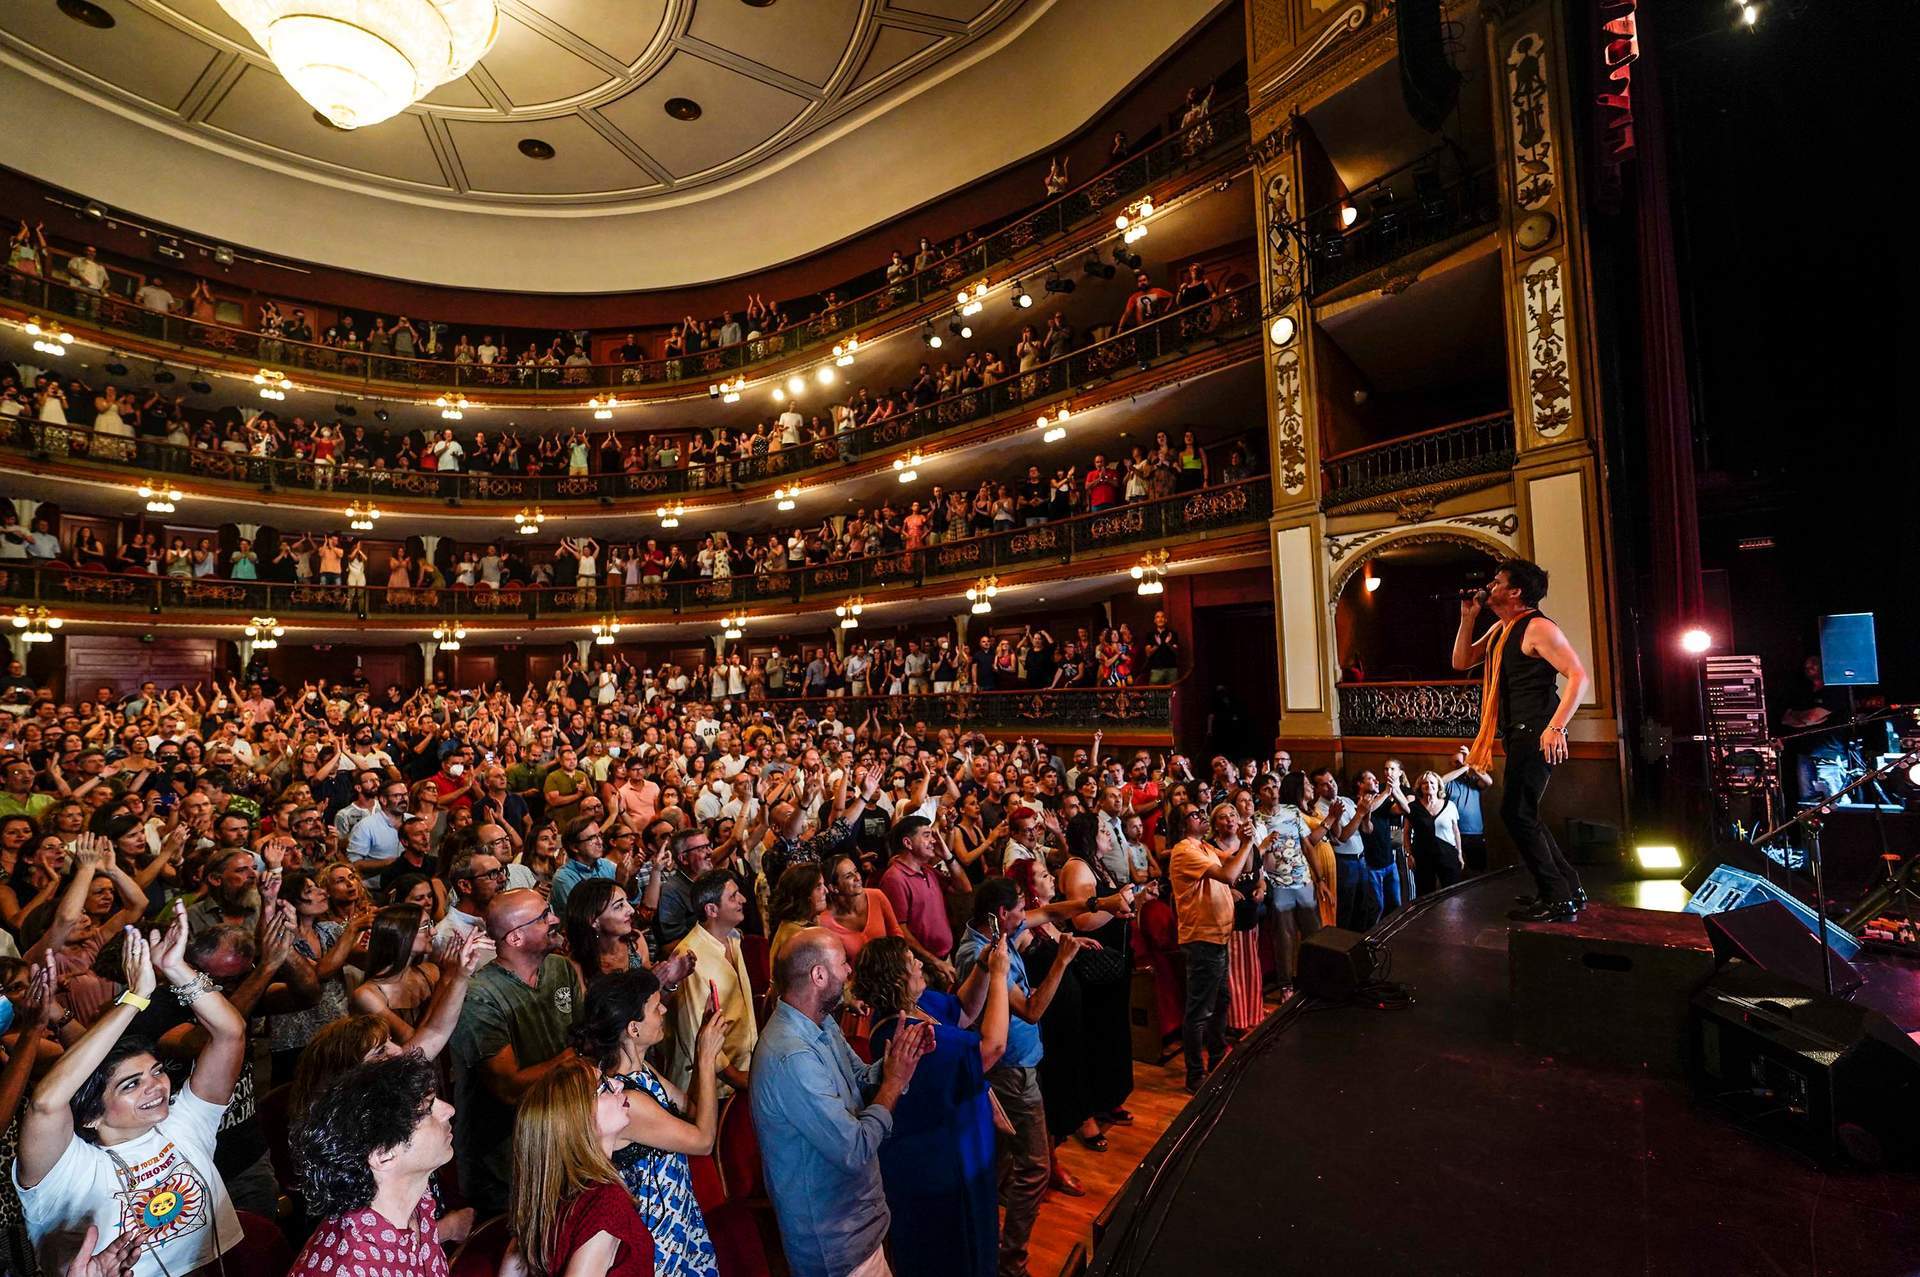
1455 596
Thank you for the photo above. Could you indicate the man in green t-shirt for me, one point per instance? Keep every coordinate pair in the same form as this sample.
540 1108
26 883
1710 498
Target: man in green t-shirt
565 786
19 798
513 1028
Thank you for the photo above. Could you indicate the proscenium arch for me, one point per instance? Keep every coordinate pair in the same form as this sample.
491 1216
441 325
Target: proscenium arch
1483 543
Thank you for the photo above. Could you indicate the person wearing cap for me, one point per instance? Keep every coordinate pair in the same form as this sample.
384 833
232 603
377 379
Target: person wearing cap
917 882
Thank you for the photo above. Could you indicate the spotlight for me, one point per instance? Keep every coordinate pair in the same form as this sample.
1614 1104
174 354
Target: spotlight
1749 15
1372 580
345 409
779 395
963 331
1696 642
1348 216
381 414
825 375
164 375
223 255
201 386
1021 297
1055 284
116 367
1661 857
796 384
1280 332
1124 258
1094 268
96 210
930 337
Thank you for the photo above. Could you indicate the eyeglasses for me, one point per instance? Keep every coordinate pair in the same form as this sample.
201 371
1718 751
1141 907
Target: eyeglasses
545 915
497 875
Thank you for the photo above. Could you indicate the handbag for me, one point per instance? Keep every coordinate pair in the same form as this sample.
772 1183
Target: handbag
1104 965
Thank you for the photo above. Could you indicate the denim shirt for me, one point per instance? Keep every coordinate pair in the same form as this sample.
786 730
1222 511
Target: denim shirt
820 1142
1024 1048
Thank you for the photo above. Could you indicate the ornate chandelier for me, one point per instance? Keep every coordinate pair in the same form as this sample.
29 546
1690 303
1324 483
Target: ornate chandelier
359 62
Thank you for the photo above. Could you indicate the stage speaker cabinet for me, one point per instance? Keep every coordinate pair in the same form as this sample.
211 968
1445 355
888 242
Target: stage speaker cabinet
1728 889
1143 1018
1610 988
1849 656
1832 1079
1770 937
1335 963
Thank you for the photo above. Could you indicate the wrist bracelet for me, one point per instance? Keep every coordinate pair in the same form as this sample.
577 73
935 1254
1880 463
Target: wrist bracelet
134 1000
193 990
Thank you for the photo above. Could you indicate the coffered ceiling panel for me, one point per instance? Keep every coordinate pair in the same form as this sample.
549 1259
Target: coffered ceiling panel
534 70
950 10
806 41
625 29
583 160
892 46
737 112
146 58
259 108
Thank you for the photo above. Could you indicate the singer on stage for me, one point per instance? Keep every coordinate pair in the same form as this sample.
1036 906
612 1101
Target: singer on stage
1525 655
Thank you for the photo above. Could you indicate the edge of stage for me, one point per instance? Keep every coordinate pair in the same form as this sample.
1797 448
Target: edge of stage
1420 1138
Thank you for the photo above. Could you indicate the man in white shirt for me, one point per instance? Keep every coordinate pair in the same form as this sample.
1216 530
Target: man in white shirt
44 545
154 296
487 352
791 420
86 271
447 452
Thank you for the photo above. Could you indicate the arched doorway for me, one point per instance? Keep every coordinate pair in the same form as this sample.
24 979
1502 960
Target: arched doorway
1389 626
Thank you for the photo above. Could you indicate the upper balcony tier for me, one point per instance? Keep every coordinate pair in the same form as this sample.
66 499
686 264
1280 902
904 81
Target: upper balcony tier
1078 222
1184 344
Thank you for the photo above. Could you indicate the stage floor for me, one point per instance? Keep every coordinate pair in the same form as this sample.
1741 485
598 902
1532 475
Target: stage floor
1421 1140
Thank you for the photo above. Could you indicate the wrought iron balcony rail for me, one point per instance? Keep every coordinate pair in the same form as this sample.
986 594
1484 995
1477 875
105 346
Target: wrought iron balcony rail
1481 445
1227 317
1086 536
1146 706
1410 208
1438 709
1221 132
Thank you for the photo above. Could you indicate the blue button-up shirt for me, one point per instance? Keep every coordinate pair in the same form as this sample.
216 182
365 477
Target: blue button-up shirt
571 875
820 1141
1023 1038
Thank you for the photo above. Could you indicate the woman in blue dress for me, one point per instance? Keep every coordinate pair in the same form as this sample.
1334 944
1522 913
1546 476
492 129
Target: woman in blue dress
623 1016
938 1165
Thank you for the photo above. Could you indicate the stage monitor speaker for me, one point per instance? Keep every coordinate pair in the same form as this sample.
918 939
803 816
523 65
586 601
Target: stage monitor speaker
1335 963
1770 937
1728 889
1849 657
1830 1078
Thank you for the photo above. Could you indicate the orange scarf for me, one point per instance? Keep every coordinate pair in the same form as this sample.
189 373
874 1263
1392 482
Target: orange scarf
1480 752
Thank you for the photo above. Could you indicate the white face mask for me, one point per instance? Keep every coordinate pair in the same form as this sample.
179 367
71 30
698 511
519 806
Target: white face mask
614 750
454 769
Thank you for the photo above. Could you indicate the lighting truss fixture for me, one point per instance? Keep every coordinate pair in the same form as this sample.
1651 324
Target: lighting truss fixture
266 633
273 385
960 330
452 407
981 594
1056 283
779 395
358 62
1021 297
1150 572
1371 581
605 630
971 301
796 384
783 498
160 497
1282 330
1132 224
49 338
733 625
1349 214
361 515
1053 429
1749 14
1094 268
670 514
528 520
116 366
843 352
36 623
1122 257
930 337
825 374
1696 642
849 612
908 467
603 408
448 635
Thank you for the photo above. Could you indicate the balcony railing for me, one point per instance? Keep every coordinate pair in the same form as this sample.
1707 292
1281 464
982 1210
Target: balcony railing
1085 536
1223 131
1442 708
1408 209
1482 445
1224 318
1148 706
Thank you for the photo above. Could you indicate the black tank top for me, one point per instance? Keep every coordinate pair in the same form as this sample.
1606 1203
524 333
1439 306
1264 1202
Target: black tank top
1529 685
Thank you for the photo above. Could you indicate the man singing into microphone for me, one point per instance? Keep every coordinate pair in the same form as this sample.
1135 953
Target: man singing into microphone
1525 656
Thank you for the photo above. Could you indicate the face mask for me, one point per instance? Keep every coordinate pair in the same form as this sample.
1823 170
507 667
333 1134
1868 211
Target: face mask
454 769
614 750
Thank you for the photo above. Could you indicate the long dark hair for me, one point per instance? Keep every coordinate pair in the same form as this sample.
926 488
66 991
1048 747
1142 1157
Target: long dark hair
390 940
880 976
613 1002
585 903
792 899
1293 789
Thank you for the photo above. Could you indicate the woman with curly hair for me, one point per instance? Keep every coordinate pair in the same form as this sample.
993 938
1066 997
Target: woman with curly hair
568 1209
368 1151
938 1165
626 1014
798 900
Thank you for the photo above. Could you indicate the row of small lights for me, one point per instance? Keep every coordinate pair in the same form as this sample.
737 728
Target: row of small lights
273 385
49 338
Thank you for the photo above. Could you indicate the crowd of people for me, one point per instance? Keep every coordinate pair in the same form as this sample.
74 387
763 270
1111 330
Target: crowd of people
441 957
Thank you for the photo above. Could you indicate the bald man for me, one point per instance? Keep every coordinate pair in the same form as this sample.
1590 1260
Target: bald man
513 1028
789 820
821 1115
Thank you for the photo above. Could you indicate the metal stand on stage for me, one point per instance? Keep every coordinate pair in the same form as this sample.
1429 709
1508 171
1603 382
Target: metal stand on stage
1811 820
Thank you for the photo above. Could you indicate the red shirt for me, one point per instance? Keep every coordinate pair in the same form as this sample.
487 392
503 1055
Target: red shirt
364 1244
604 1208
918 903
444 784
1102 489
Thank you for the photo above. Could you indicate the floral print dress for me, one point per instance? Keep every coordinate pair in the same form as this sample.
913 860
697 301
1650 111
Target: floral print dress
662 1188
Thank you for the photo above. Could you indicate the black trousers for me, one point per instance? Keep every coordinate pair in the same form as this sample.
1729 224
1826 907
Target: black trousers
1528 772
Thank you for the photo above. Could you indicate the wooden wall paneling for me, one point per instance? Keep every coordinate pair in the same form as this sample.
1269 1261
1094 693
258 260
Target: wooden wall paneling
120 663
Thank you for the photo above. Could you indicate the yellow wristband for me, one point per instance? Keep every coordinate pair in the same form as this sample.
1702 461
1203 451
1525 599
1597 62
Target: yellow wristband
134 1000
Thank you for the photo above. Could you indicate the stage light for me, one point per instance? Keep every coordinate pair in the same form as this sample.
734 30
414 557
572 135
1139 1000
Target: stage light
96 210
1281 331
960 330
1749 15
824 376
1661 857
117 367
1348 215
1021 297
1055 284
1696 642
1094 268
1123 258
928 336
1913 775
796 384
1372 579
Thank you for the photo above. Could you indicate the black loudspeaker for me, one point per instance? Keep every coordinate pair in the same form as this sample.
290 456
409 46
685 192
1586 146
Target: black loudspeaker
1849 657
1771 938
1335 963
1827 1077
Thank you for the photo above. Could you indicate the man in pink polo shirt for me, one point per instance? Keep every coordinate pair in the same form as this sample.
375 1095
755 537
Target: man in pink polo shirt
918 880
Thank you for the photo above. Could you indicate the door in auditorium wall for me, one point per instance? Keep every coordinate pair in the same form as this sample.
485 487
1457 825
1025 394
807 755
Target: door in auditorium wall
99 660
386 667
1234 649
475 669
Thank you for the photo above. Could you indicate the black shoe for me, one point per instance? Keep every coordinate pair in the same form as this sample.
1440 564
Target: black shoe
1546 911
1579 899
1193 1082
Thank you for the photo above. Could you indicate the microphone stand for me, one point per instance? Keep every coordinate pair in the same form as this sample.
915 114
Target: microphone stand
1811 820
